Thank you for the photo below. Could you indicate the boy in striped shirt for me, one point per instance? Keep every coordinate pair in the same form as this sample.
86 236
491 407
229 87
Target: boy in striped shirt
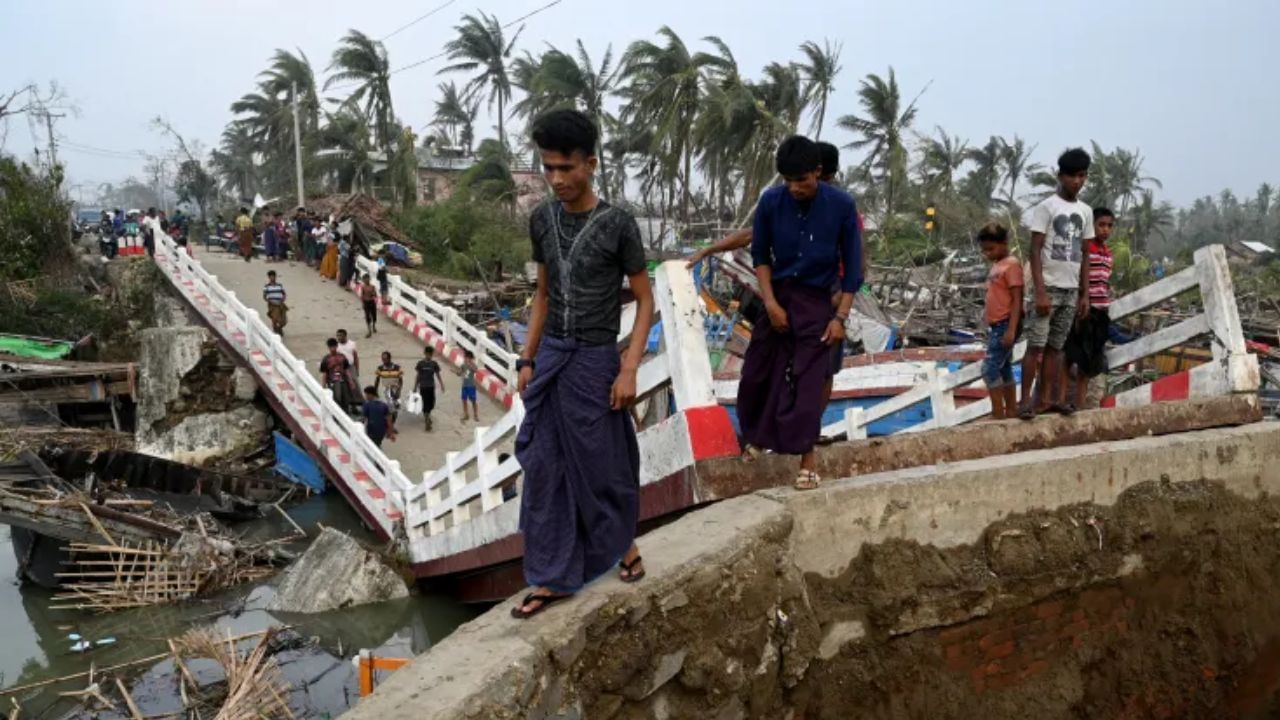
273 293
1087 346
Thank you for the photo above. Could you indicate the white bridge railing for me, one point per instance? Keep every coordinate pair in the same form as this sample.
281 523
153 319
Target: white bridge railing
369 475
446 323
460 505
1233 369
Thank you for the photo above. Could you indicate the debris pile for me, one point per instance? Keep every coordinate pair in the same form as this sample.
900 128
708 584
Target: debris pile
112 577
242 684
369 216
106 549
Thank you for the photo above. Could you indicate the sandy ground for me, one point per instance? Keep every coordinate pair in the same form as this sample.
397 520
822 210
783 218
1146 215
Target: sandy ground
317 308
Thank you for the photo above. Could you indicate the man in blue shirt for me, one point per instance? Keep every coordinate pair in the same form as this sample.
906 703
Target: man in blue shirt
805 241
379 422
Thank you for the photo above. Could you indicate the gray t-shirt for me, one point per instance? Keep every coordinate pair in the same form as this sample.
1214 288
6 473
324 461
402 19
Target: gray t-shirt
1066 225
587 255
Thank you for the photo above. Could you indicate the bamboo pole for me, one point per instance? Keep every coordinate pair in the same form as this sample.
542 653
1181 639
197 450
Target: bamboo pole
128 700
125 665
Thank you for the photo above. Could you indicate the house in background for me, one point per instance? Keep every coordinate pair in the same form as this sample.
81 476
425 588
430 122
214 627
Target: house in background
440 169
1249 252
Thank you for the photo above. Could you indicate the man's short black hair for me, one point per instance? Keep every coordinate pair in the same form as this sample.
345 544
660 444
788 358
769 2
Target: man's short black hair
1073 161
1101 212
993 232
429 350
342 331
566 131
244 210
271 273
331 343
830 155
798 155
370 390
468 354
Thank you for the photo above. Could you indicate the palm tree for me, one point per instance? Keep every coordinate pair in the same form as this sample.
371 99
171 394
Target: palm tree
882 127
1017 164
941 158
982 182
663 92
741 122
451 111
363 61
286 72
233 160
481 45
1127 180
821 66
1149 219
559 80
346 149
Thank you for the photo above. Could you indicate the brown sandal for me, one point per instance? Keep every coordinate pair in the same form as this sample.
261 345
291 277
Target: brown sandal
544 601
807 480
750 453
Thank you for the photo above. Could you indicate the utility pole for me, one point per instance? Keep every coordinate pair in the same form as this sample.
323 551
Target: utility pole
297 148
53 142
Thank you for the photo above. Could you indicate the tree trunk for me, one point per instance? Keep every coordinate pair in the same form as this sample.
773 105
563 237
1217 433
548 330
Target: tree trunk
688 177
604 170
502 132
822 116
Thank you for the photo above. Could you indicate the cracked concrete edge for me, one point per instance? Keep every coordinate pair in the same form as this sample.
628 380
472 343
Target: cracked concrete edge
952 504
495 664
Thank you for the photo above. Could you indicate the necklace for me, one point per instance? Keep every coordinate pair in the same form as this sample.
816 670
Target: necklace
560 212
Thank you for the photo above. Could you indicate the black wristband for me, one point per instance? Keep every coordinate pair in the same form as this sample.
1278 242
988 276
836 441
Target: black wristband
522 364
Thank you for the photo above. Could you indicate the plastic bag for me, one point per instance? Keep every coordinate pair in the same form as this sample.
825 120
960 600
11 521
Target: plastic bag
414 405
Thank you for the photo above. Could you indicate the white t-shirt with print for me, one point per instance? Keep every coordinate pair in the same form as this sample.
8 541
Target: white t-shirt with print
1066 226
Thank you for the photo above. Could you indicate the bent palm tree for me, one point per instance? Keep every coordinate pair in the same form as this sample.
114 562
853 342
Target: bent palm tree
481 45
882 127
1017 165
821 66
663 92
363 61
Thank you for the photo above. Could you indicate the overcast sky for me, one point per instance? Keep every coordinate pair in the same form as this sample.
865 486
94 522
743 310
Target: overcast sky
1192 84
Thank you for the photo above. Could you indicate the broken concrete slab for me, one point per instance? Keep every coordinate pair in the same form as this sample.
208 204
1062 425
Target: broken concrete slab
336 572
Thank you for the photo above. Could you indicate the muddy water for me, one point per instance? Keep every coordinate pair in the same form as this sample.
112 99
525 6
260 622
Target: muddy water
34 645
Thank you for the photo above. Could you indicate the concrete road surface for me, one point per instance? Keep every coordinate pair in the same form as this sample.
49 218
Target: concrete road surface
317 308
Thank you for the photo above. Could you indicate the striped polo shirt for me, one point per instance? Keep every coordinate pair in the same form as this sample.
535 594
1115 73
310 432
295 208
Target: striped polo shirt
273 293
1100 262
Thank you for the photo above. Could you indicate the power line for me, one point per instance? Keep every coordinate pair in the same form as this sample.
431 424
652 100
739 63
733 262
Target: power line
415 21
443 53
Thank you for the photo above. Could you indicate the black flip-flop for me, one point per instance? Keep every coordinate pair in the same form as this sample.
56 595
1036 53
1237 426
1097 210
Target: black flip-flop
544 601
1065 409
1026 412
631 575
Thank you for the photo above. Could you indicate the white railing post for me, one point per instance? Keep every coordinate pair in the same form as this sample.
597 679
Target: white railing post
457 481
854 428
684 336
942 401
486 465
1217 293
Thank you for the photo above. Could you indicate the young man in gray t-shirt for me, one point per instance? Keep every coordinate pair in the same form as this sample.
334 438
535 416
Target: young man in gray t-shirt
1059 225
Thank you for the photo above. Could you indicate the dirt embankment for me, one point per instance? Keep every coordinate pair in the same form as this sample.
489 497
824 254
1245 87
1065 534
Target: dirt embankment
1159 606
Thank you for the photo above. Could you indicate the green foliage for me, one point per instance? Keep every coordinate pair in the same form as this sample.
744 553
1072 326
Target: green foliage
197 185
456 234
35 220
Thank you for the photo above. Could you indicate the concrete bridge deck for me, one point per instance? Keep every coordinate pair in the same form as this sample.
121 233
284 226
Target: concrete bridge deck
317 308
1120 579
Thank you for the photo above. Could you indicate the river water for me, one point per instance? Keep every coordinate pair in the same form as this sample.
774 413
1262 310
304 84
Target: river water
34 643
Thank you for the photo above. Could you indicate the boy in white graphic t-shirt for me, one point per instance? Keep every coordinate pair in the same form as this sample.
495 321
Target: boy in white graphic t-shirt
1059 225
